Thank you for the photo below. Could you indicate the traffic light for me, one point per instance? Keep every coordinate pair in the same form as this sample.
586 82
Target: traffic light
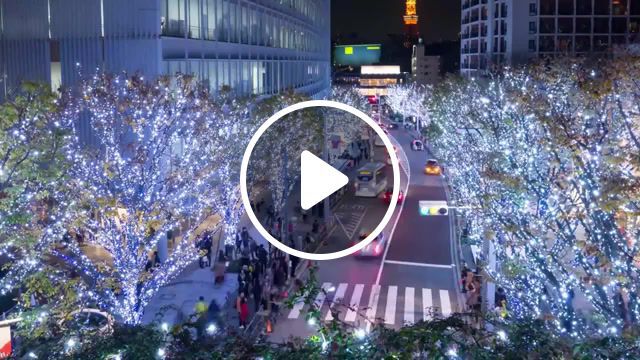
433 208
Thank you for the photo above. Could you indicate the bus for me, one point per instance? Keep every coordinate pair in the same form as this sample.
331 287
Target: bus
371 180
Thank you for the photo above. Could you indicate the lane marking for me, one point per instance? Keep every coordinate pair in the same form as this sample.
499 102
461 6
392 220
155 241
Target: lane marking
408 263
445 303
409 308
390 310
427 304
295 311
354 304
395 223
337 299
373 305
321 295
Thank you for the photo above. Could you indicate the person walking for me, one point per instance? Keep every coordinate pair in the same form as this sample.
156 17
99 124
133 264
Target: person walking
201 306
244 312
253 246
262 257
219 268
201 312
294 265
238 245
244 236
257 293
213 312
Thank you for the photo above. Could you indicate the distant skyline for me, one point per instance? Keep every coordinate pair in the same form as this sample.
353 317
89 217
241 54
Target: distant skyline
372 20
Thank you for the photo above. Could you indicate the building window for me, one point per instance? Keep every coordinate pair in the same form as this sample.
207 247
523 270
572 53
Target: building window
532 27
583 44
547 7
547 44
565 44
601 26
565 7
532 45
583 25
565 25
619 25
584 8
533 9
600 43
602 7
635 8
547 25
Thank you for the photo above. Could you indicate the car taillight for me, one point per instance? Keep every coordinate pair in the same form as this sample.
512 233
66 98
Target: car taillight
377 249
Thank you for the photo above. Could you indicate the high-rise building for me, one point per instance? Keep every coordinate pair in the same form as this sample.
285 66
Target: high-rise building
257 47
425 69
498 32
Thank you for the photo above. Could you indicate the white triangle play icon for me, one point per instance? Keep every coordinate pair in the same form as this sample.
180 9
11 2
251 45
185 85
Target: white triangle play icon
319 180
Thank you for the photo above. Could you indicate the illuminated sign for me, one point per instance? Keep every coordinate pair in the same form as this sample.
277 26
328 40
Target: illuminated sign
357 55
433 208
380 70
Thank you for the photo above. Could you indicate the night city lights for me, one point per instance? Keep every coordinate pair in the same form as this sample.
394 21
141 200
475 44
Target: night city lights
319 179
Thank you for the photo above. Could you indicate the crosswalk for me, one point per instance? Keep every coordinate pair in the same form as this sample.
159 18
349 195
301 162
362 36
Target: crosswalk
365 304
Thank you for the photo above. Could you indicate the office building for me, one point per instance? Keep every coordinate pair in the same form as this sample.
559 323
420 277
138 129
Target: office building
509 32
254 47
425 69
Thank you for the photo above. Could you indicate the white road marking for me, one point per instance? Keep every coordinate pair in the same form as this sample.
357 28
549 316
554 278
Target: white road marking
390 310
427 304
408 263
319 300
297 308
354 304
445 303
395 223
409 307
337 299
373 305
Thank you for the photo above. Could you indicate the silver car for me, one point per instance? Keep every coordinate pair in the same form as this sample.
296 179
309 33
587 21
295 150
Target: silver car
375 248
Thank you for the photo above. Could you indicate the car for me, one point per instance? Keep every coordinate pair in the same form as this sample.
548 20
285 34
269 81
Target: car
432 167
374 249
392 126
389 192
416 145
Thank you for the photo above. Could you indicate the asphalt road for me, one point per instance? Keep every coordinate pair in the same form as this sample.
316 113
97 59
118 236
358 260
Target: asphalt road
413 280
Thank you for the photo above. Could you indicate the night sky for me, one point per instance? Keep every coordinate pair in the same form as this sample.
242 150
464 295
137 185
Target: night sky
372 20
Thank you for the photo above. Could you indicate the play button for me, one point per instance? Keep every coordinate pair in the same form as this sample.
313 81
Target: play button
318 180
283 184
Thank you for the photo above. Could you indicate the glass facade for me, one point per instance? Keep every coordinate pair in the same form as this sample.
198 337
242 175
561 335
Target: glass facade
282 44
244 22
256 77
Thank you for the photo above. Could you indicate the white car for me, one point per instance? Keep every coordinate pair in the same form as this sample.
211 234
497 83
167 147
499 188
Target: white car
417 145
374 249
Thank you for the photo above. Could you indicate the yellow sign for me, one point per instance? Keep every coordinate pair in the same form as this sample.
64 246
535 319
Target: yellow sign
348 50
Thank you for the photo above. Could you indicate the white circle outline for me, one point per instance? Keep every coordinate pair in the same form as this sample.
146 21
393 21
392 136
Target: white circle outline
395 164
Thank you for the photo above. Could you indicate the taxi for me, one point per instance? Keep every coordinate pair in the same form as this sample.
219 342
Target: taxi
432 167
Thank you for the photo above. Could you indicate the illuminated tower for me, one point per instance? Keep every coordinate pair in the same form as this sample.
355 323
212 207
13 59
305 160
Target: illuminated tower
410 23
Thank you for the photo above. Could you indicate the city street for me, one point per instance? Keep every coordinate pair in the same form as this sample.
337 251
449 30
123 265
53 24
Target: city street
413 280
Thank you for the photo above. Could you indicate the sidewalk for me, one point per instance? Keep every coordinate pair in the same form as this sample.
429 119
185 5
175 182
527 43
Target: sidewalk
177 299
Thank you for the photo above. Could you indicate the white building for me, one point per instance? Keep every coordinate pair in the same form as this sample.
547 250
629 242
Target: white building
425 69
255 47
513 31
